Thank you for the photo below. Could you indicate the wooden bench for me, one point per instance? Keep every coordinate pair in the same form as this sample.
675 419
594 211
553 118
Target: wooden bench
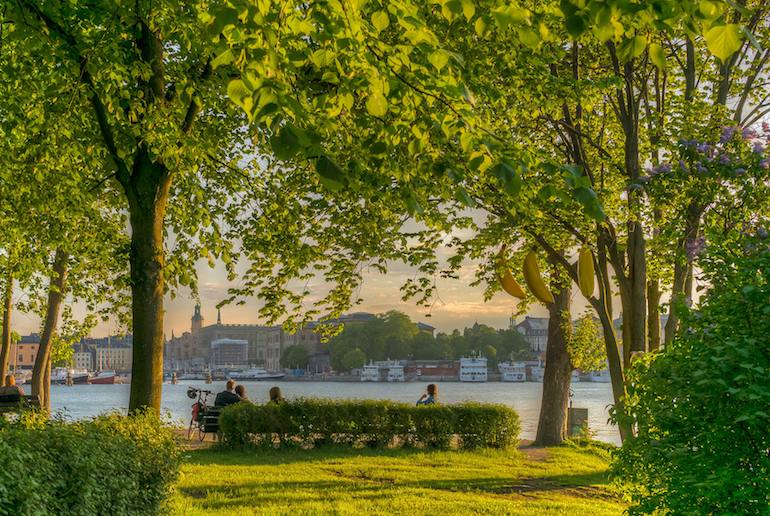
11 404
211 420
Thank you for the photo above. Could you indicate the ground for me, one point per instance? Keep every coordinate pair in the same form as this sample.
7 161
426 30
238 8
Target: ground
563 480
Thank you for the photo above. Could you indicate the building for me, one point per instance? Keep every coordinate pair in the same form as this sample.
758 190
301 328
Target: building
112 358
535 331
193 349
229 352
83 360
24 353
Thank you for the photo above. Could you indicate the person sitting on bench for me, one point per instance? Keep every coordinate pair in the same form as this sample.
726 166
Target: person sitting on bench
11 391
228 396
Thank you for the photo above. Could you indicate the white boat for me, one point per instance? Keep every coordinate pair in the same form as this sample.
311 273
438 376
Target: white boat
602 376
512 372
370 373
537 373
60 375
473 369
396 373
256 374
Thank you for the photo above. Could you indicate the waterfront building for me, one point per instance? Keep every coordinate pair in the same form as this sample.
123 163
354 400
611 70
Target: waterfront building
113 358
24 353
83 360
229 352
535 331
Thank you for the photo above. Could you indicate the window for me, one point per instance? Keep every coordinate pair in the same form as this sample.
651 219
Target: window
21 358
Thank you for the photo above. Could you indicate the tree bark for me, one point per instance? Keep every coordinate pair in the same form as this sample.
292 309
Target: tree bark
552 424
55 296
653 314
5 346
147 191
603 307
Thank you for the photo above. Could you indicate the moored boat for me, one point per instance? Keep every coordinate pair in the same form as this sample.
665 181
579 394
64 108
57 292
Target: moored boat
370 373
512 372
104 378
473 369
256 374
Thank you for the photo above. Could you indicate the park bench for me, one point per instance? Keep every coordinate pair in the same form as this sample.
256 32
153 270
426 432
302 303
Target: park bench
13 403
211 420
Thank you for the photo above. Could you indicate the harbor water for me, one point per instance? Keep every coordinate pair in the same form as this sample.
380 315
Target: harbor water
83 401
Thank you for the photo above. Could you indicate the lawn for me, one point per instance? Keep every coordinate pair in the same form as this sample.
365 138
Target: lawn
563 480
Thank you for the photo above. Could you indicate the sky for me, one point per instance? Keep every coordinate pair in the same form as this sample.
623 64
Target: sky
459 305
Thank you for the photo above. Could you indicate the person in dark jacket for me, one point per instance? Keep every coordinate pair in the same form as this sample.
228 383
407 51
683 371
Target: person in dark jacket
228 396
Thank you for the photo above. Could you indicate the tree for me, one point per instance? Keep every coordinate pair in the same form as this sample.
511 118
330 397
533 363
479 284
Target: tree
585 345
141 77
294 356
353 359
700 406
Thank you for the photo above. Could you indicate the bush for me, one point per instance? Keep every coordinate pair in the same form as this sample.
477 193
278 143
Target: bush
377 424
109 465
702 406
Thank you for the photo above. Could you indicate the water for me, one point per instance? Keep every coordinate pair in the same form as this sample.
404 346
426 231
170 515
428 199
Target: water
82 401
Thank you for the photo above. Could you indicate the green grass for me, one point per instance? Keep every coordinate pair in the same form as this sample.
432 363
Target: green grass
563 480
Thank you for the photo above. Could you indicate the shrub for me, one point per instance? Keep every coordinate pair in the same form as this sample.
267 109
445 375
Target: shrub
377 424
702 406
109 465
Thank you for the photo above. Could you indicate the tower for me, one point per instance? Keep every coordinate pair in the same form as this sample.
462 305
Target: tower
197 319
219 316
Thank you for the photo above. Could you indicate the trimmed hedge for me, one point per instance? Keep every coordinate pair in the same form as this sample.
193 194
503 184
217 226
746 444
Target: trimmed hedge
377 424
109 465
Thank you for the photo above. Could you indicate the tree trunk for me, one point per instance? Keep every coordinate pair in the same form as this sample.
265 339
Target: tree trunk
147 192
653 314
552 424
603 307
681 290
5 346
55 296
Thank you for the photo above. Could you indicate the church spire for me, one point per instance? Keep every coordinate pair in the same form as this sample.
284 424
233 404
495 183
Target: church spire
197 319
219 316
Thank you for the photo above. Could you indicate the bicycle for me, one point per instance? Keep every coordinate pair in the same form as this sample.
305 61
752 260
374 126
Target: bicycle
199 409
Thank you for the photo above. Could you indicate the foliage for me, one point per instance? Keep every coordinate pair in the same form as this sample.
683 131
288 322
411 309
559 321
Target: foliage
343 480
352 359
585 344
109 465
294 356
701 405
394 336
315 422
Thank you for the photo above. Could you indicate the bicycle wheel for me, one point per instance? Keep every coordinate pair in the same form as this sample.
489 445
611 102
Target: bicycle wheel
201 434
190 429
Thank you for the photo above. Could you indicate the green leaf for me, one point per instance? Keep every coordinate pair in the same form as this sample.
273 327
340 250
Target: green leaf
439 59
505 16
240 94
332 176
380 20
529 37
576 25
723 40
508 176
224 58
377 104
285 144
657 56
631 48
590 202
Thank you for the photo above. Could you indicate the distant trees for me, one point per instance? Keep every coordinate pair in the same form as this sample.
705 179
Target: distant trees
294 356
394 336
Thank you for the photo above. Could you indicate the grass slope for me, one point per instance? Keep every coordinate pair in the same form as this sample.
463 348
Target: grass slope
564 480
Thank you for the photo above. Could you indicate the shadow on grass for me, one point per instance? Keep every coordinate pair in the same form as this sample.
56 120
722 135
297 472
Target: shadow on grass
261 457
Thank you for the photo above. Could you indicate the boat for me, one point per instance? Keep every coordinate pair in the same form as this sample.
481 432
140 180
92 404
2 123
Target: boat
537 373
512 372
473 369
255 374
396 373
370 373
104 378
60 375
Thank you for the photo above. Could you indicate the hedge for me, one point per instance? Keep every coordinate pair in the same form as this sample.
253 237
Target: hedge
378 424
109 465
